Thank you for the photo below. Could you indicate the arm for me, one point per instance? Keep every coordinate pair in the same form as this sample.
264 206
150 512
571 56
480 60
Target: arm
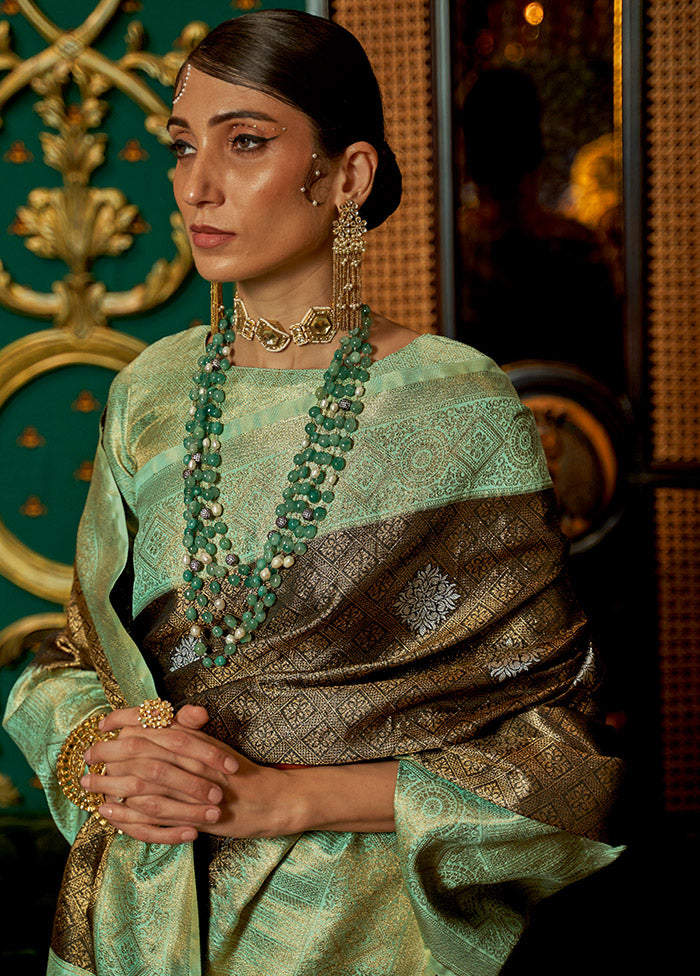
153 771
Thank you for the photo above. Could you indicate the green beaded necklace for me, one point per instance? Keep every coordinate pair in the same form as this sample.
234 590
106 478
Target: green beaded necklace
209 559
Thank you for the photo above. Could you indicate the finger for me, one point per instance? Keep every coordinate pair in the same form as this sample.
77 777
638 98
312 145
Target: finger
184 747
120 718
192 716
160 810
152 834
151 776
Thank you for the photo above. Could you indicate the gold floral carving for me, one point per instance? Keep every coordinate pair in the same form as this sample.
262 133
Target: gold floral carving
76 223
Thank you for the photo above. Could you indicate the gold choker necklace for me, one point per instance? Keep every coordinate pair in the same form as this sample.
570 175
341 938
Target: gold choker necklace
316 326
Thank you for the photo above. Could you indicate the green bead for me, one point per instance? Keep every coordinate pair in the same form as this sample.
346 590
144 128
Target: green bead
191 613
220 660
319 513
230 621
217 631
269 599
207 662
310 531
338 463
200 647
300 548
328 496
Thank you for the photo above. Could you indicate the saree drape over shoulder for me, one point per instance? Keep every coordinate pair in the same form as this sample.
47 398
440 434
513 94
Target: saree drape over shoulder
430 621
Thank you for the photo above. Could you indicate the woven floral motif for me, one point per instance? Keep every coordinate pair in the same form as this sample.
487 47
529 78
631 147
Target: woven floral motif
427 600
515 665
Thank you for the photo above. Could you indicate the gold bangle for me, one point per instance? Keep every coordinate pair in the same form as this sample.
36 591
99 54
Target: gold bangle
70 767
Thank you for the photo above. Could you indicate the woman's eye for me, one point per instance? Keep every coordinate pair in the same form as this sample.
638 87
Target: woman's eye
247 141
180 148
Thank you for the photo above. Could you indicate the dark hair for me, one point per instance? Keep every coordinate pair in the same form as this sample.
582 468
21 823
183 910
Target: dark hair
318 67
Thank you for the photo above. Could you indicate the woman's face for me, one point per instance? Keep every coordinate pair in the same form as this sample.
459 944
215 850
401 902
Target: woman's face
242 158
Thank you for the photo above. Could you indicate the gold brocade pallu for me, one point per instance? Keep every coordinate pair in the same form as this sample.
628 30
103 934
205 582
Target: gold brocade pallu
430 621
449 636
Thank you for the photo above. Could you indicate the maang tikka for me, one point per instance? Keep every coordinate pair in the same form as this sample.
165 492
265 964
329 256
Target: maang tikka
348 247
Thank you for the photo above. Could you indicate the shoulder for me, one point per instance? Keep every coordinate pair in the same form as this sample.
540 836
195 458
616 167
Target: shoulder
431 363
170 355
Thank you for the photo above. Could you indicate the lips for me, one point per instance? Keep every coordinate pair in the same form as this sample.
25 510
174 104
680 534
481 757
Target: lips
206 236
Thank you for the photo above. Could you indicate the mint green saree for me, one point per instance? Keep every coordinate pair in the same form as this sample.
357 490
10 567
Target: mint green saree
430 620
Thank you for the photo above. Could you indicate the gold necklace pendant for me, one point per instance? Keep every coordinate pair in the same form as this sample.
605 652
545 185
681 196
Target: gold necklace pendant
317 326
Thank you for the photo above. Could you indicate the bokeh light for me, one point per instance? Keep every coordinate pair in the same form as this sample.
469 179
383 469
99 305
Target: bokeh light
534 13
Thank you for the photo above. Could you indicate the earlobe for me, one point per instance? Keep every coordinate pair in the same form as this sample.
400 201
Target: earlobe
358 169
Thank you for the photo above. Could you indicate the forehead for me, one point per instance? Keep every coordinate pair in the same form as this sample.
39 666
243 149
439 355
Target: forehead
203 100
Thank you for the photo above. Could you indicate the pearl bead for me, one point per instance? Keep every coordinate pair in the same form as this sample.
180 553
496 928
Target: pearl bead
359 390
186 560
333 407
205 558
208 368
306 442
332 478
265 574
195 630
219 603
229 639
206 442
215 444
225 350
216 508
239 633
288 561
277 562
314 472
191 465
324 403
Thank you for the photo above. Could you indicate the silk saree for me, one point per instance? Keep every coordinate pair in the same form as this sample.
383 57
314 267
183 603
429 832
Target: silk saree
431 621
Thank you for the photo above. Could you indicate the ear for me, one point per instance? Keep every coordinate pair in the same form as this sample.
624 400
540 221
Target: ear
356 172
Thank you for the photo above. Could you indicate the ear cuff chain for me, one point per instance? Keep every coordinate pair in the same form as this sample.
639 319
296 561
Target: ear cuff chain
305 189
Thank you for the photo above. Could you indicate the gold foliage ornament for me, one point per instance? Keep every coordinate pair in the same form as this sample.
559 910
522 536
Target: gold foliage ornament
76 222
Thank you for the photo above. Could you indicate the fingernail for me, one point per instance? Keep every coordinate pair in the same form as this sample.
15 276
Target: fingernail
230 764
86 756
105 811
85 781
189 835
101 723
212 815
215 795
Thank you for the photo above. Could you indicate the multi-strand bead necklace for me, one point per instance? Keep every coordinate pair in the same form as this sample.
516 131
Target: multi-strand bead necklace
209 560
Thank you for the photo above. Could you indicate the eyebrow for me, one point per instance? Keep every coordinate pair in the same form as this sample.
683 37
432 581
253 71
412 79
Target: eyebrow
223 117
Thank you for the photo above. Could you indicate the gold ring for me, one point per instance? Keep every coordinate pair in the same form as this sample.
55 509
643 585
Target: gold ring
119 799
156 714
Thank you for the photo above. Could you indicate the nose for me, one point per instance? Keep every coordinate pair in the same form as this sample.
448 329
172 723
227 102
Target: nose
200 184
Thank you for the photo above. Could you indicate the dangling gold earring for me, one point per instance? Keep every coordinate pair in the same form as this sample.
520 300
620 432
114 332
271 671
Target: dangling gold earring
348 248
216 292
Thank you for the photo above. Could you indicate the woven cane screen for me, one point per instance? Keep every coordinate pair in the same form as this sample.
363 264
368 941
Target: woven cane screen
400 269
673 126
677 513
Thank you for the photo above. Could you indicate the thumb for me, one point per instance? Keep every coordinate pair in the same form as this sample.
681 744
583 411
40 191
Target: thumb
192 716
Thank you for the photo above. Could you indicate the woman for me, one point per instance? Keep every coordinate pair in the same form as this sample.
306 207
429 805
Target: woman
381 754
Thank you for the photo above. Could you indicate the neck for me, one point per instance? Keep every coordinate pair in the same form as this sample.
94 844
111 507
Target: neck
286 299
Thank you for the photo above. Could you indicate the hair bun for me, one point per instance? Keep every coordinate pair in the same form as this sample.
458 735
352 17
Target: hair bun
386 191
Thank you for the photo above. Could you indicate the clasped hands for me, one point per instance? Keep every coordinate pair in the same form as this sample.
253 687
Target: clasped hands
175 782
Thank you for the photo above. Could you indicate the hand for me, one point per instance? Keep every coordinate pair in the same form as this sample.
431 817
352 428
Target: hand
171 779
